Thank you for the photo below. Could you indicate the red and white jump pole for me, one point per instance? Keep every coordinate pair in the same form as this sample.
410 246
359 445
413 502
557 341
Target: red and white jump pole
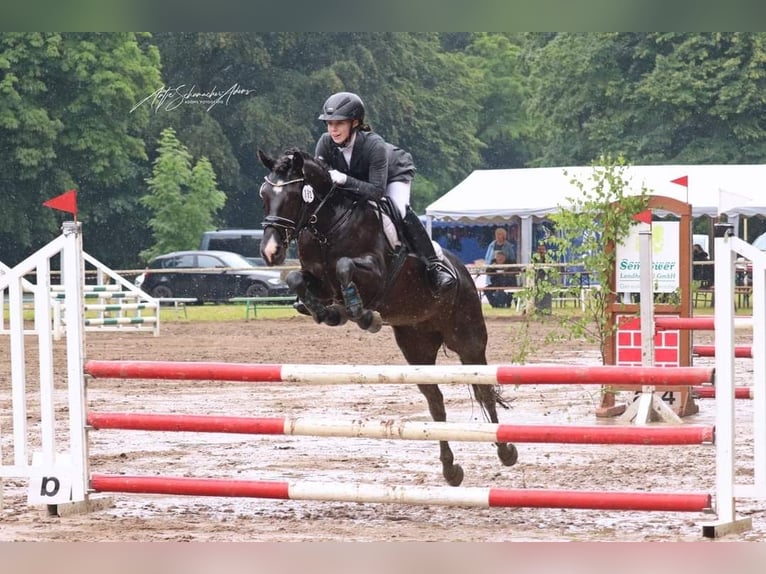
401 374
708 392
697 323
408 430
740 351
372 493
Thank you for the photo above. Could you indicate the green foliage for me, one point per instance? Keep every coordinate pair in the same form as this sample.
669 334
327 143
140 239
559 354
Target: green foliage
457 101
656 98
183 199
417 96
598 218
502 126
64 123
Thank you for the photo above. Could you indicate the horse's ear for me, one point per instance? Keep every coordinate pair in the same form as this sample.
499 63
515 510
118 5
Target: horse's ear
298 161
266 159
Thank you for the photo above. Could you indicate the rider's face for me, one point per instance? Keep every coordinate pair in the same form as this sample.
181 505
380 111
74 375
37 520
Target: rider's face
339 130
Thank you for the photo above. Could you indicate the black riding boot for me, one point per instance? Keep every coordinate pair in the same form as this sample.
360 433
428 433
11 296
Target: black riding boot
440 276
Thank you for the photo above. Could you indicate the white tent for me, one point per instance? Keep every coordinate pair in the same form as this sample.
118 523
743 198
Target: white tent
496 196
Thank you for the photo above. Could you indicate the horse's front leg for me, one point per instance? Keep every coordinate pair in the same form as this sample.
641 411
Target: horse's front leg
303 284
346 269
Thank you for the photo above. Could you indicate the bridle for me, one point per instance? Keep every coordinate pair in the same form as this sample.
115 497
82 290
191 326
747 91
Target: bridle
288 228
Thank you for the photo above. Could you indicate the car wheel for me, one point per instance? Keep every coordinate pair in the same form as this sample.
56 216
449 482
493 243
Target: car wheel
162 292
256 290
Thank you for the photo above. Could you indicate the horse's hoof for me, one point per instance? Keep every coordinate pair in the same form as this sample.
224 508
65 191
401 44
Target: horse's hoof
376 324
370 321
454 478
332 318
507 453
340 310
320 317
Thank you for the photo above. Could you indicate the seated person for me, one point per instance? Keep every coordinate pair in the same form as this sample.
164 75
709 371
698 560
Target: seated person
499 277
501 243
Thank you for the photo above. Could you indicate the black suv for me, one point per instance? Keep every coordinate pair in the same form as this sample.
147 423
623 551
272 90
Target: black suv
209 276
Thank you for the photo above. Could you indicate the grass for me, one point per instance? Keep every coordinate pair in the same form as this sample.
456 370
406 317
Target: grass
210 312
222 312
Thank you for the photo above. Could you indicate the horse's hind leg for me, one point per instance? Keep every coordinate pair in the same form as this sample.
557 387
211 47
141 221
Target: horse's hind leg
420 348
487 397
469 341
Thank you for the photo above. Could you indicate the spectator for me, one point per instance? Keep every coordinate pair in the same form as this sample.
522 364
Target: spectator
499 277
701 272
543 295
501 243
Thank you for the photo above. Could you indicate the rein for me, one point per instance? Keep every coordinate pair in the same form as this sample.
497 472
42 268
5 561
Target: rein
293 228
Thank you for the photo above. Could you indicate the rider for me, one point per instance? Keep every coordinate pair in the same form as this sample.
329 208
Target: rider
361 161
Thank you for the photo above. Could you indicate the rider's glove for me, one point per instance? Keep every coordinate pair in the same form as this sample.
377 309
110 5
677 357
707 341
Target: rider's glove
338 177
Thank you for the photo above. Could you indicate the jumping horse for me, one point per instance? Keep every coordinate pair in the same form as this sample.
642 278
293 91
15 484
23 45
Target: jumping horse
351 270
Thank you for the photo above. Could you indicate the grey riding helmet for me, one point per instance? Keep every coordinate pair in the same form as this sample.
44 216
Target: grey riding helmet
343 106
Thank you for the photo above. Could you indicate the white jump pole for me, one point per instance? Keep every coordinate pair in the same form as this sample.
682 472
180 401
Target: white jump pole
648 406
73 271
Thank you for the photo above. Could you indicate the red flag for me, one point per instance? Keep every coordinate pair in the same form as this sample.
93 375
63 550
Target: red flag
67 201
681 181
644 216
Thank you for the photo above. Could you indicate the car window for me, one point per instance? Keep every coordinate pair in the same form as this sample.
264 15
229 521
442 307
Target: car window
234 260
184 261
207 261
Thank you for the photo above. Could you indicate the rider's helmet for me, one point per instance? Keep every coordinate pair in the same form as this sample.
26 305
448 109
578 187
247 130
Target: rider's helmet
343 106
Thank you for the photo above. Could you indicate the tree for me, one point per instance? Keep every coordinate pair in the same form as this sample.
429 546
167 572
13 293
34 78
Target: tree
417 96
65 122
655 98
182 198
502 126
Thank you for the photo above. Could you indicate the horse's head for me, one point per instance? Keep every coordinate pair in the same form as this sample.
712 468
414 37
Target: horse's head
294 186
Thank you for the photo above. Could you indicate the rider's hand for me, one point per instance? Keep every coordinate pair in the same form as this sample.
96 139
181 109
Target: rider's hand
338 177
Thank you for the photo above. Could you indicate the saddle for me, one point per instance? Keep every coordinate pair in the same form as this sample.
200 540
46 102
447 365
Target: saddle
392 224
390 221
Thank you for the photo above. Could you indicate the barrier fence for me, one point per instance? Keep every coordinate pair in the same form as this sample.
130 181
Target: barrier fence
406 430
427 495
402 374
66 462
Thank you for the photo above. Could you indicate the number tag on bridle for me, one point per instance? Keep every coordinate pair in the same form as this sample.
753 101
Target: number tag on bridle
308 193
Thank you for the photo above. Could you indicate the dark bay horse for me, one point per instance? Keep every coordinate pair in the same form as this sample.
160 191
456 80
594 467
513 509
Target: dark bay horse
351 271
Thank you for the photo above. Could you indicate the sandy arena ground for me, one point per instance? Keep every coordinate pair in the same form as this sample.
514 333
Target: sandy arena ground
299 340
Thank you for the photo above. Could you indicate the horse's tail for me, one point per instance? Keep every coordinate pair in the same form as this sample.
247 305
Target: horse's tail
497 390
488 396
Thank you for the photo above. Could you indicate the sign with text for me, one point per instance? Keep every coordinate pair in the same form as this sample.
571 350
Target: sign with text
54 486
665 259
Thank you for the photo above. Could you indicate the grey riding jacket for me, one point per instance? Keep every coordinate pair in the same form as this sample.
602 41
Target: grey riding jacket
374 163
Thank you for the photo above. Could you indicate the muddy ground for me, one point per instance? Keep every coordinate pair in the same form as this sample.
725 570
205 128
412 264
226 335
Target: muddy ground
299 340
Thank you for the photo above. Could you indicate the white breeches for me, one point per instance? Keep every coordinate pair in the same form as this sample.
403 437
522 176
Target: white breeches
399 193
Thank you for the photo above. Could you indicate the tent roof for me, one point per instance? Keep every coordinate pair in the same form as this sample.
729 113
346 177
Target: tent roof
491 196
